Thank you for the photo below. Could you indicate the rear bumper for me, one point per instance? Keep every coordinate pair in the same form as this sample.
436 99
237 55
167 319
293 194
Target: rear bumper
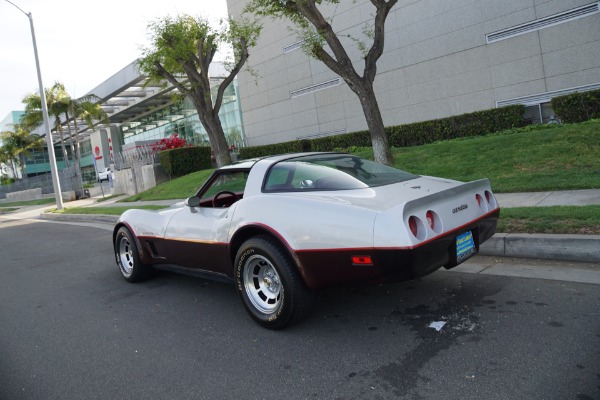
327 268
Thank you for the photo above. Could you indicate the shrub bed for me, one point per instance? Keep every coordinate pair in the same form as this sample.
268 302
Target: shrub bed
185 160
472 124
577 107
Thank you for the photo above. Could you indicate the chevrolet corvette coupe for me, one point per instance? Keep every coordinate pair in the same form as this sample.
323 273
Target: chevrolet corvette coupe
282 227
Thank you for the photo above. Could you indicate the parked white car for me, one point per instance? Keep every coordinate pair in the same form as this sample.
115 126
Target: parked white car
285 226
103 174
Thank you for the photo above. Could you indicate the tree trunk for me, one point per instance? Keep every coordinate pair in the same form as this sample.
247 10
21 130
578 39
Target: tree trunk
214 129
23 166
218 143
379 138
73 152
14 170
64 150
77 152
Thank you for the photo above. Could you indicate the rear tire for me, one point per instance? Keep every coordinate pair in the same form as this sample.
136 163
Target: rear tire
269 284
128 257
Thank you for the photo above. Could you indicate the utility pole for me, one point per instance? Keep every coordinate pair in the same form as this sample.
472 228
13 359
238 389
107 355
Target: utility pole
50 144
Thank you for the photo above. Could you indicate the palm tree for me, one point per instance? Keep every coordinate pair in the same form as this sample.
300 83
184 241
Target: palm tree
7 157
88 109
18 145
61 104
57 102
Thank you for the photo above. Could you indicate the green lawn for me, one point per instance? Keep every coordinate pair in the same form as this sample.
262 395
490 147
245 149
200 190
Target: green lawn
561 158
531 159
179 188
6 210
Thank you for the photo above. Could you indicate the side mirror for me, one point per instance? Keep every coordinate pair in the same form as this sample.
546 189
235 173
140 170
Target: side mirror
192 202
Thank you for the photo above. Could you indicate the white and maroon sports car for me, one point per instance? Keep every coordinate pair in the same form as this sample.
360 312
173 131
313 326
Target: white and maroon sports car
285 226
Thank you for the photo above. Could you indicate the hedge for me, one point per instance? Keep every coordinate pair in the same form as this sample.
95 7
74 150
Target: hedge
465 125
577 107
277 148
185 160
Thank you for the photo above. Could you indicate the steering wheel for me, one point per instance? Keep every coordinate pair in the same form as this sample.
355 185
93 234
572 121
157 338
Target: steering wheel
215 203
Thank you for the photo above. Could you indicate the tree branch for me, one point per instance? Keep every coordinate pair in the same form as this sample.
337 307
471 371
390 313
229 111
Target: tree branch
172 80
340 63
227 81
383 8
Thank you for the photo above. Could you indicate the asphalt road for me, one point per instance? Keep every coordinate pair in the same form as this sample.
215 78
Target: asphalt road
72 328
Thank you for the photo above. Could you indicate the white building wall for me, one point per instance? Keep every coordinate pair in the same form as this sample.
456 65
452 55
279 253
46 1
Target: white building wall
436 63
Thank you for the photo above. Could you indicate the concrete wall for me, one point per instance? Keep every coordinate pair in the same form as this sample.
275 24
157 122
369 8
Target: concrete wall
29 194
146 177
123 182
436 63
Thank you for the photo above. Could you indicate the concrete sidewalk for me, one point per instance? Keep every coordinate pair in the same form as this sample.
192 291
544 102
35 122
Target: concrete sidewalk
584 248
556 198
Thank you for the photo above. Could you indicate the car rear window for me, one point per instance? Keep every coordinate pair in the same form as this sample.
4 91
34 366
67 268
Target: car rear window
331 172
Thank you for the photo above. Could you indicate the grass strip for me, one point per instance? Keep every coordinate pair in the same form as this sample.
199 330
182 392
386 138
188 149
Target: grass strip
104 210
7 210
35 202
556 219
112 196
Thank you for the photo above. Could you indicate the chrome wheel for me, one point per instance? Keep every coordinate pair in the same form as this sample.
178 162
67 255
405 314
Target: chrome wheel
269 283
128 259
125 254
262 284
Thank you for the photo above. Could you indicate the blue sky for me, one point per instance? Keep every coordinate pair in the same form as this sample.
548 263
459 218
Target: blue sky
63 30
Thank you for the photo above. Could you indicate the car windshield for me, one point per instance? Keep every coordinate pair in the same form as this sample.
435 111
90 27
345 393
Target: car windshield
331 172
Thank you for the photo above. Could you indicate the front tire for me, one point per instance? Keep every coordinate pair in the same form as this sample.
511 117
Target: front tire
128 257
269 284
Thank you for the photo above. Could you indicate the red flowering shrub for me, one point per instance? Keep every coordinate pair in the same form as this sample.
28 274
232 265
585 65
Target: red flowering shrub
172 142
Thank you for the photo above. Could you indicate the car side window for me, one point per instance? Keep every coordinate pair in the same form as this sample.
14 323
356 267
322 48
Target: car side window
234 181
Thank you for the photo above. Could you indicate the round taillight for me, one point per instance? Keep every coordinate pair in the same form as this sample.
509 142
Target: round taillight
417 227
430 219
412 225
434 221
481 203
490 199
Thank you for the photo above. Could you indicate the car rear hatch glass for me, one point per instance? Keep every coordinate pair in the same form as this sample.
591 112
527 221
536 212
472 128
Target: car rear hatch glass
331 172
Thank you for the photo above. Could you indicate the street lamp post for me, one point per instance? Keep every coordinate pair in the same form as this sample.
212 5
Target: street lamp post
51 155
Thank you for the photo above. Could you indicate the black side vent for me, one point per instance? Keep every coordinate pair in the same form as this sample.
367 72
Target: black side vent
293 46
315 88
153 249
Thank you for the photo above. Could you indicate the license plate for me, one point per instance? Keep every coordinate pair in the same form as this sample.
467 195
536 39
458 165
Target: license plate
465 246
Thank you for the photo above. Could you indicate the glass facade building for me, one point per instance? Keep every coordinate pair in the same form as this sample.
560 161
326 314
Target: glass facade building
182 119
139 114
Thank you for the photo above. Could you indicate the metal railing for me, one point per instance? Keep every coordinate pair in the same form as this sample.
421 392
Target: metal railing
70 180
141 155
